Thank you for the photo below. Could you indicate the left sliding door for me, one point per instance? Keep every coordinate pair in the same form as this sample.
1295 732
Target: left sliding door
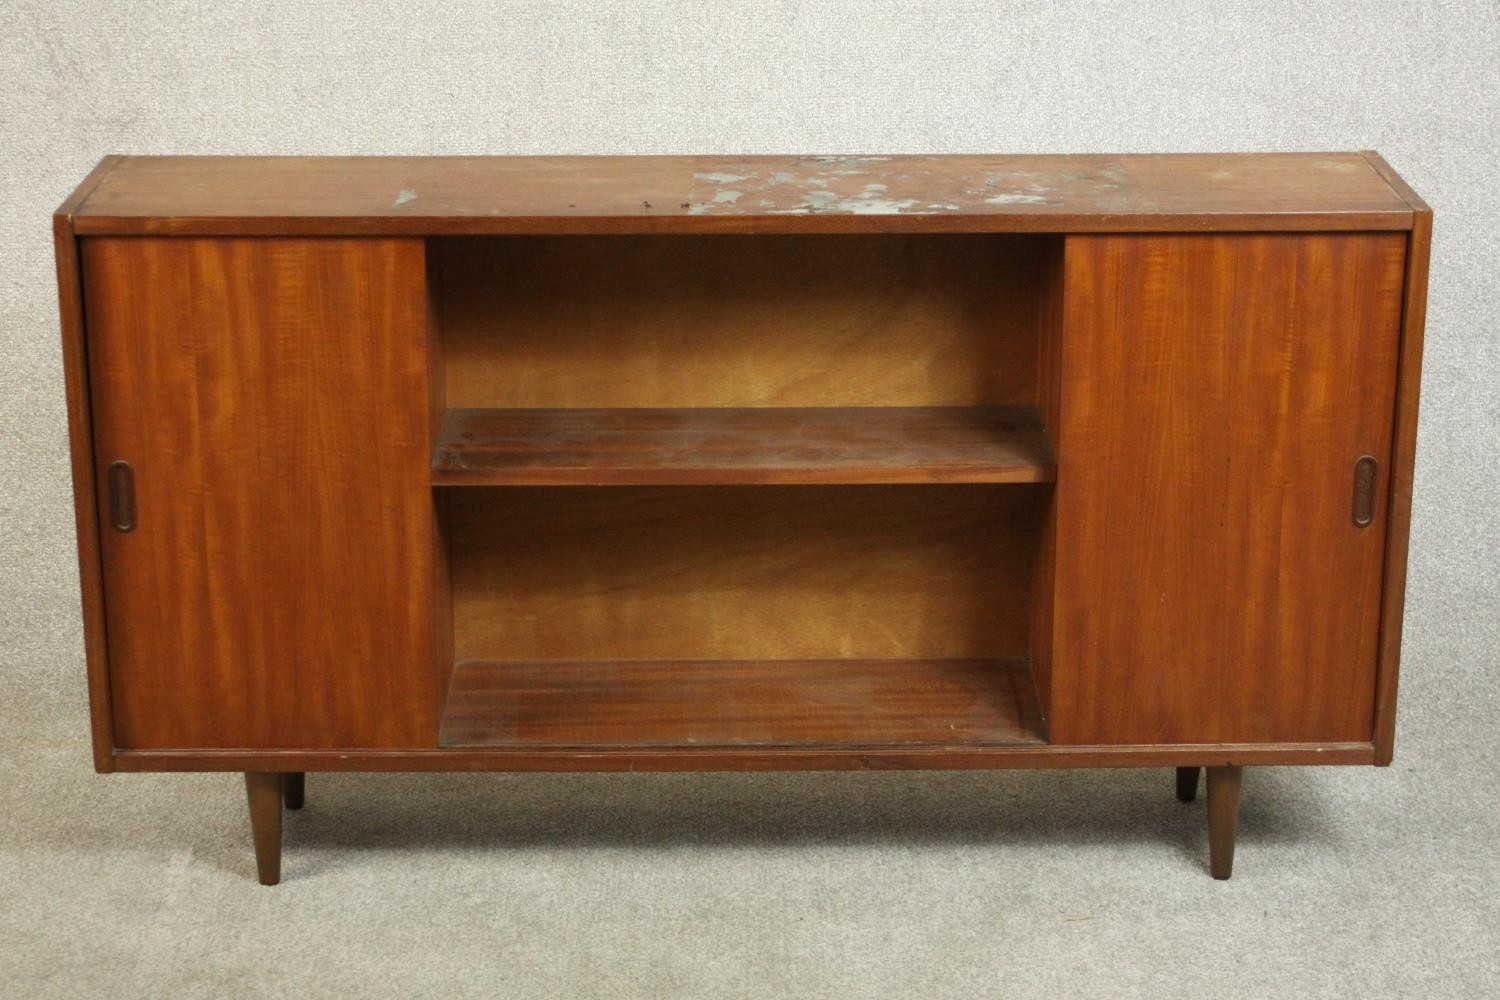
261 426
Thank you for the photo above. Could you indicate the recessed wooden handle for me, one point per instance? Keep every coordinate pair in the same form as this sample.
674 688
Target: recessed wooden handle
122 496
1364 491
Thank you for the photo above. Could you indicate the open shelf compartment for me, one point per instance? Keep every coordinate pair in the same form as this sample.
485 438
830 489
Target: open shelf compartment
766 703
742 616
707 446
685 489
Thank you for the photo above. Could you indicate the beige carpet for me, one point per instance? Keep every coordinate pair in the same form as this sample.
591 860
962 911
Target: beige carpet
1349 882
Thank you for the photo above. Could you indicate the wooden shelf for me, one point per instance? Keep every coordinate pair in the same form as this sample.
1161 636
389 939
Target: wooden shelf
767 703
828 445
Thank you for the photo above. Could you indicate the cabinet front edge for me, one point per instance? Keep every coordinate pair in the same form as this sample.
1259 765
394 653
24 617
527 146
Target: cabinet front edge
831 224
745 758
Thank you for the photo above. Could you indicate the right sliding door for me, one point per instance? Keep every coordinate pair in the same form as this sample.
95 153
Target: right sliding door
1223 437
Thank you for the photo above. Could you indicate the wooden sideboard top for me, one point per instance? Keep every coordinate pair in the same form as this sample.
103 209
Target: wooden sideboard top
296 195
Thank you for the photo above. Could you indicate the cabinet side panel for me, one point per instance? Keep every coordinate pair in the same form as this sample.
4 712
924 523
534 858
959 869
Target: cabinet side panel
1403 471
437 406
271 398
1403 457
1212 585
81 444
1049 405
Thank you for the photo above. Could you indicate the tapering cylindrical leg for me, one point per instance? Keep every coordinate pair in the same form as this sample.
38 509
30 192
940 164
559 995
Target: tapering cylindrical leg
293 789
1187 784
263 789
1223 818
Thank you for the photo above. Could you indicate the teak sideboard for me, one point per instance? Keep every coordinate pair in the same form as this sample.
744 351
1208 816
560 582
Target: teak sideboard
692 463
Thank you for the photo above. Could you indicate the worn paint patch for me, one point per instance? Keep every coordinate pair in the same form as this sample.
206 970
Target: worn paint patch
868 185
403 196
874 206
846 161
840 166
832 203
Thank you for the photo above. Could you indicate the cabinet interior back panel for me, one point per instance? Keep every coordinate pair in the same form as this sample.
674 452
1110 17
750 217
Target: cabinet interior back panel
738 573
883 320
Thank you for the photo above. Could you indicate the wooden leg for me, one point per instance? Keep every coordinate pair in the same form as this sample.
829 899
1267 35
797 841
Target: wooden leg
293 789
1187 784
1223 818
264 791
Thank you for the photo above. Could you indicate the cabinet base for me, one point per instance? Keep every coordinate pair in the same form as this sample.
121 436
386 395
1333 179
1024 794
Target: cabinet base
268 791
810 758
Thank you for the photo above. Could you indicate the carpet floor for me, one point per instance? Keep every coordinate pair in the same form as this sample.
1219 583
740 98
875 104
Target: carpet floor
1349 881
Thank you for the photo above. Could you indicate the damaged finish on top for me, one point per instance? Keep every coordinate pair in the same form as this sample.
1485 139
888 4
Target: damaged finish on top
619 194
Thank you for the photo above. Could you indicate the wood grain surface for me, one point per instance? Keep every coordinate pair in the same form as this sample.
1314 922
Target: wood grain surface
1049 388
742 703
1211 584
271 396
727 321
742 573
645 194
812 445
685 758
1200 378
81 453
1403 458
